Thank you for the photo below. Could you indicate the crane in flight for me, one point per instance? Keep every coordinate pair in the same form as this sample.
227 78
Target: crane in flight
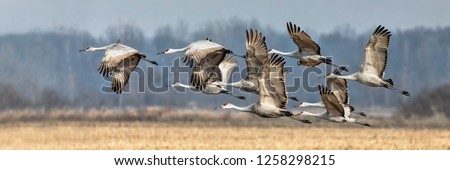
256 54
119 61
221 74
339 88
272 92
308 52
204 57
335 111
374 65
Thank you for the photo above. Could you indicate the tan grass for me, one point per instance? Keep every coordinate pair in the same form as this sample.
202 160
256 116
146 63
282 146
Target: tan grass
153 135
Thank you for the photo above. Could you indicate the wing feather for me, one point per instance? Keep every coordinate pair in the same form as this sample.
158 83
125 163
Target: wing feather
121 73
200 49
303 41
272 87
207 67
226 67
113 56
256 54
332 104
339 87
376 52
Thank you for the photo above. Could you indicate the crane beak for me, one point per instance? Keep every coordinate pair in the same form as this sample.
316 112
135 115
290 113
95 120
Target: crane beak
160 53
241 56
153 62
150 61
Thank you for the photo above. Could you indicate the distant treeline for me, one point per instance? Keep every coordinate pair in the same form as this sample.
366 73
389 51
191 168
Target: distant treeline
428 102
45 68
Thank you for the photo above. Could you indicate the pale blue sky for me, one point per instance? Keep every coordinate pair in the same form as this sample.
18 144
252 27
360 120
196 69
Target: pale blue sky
94 16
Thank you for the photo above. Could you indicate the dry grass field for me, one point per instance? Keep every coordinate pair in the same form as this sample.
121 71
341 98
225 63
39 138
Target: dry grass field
137 135
221 132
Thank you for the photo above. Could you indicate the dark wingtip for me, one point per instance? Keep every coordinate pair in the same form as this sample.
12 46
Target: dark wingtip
294 98
154 62
241 97
305 121
390 82
286 113
351 108
227 51
405 93
344 68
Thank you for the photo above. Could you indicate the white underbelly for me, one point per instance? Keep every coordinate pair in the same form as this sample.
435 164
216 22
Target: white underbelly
211 89
371 80
337 119
311 58
268 112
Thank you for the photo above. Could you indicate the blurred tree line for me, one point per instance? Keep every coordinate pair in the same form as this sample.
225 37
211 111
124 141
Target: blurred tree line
427 103
45 69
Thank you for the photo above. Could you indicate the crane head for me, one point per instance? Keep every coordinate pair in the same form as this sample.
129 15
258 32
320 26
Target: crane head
329 75
176 84
225 105
300 105
86 49
162 52
217 83
168 51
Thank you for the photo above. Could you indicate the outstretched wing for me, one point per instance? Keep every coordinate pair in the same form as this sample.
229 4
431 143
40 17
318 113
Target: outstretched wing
376 52
198 50
207 67
303 41
226 67
114 55
256 53
121 73
339 87
332 104
272 87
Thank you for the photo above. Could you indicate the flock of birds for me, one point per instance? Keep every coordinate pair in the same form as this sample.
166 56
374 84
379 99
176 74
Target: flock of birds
212 65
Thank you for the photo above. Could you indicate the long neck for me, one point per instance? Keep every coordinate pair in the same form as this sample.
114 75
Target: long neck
349 77
242 109
99 48
237 84
318 115
318 104
185 86
290 54
172 50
